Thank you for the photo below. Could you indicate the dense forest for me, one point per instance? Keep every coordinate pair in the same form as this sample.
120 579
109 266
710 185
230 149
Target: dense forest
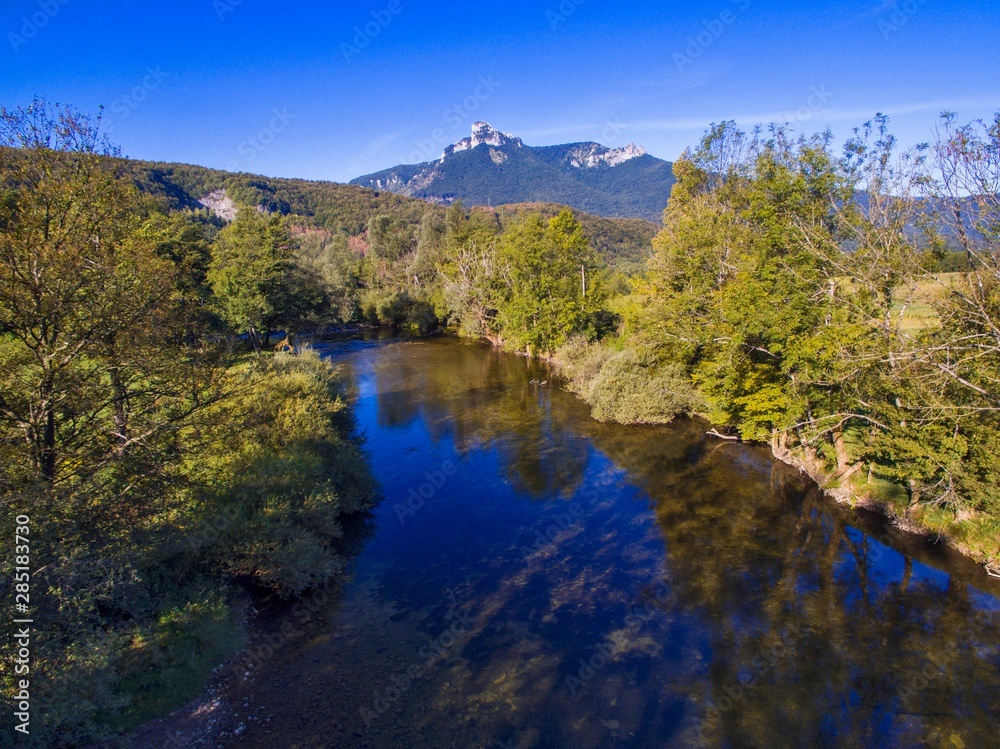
168 433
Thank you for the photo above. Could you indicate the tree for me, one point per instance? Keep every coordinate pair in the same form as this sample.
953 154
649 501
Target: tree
734 281
336 267
546 298
84 299
943 394
185 240
472 287
390 238
251 260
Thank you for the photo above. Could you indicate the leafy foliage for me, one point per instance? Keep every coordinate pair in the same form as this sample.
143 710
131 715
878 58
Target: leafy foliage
800 293
155 463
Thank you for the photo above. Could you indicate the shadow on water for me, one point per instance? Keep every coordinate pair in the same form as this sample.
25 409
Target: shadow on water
537 579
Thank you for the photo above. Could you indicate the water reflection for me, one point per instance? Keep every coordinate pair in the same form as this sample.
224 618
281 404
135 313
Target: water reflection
575 584
483 400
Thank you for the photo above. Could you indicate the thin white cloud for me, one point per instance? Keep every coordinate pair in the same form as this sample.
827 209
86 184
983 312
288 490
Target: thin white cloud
816 117
376 147
859 115
379 143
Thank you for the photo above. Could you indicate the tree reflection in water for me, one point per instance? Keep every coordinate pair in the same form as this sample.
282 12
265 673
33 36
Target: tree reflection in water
625 587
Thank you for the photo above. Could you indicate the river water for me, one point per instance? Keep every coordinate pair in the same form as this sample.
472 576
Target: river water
536 579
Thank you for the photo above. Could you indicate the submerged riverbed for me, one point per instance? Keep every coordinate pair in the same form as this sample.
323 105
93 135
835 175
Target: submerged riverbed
536 579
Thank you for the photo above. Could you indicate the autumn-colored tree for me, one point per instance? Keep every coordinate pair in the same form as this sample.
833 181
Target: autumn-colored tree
85 300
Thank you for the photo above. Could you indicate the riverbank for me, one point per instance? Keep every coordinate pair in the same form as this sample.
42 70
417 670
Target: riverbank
974 536
626 387
251 498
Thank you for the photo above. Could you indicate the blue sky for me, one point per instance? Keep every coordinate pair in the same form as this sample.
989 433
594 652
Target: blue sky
292 89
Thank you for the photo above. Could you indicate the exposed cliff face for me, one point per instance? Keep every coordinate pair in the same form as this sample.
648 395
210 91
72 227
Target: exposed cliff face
492 167
483 134
219 203
592 155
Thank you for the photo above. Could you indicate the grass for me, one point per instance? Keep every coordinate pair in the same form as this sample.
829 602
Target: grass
919 313
169 662
975 535
917 305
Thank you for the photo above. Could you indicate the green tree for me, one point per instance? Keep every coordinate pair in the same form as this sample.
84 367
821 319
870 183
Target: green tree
389 237
251 261
741 283
85 300
551 283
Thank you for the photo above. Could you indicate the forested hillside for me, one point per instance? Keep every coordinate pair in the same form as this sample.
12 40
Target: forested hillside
327 205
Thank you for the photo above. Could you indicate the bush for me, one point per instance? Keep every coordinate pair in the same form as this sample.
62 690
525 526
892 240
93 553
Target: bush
288 468
581 363
402 310
627 387
422 318
394 311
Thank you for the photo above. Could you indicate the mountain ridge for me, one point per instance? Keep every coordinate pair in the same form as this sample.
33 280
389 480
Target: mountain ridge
492 167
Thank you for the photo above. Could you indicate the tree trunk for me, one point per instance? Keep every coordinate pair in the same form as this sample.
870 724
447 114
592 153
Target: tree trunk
844 465
914 491
48 451
254 339
121 403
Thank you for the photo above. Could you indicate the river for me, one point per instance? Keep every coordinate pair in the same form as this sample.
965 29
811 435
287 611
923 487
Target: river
536 579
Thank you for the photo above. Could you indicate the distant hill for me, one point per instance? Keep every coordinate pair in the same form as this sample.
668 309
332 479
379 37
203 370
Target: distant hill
492 168
348 209
328 205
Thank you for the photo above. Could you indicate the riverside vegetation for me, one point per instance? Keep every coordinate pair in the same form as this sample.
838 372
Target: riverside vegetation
164 450
157 457
844 309
801 299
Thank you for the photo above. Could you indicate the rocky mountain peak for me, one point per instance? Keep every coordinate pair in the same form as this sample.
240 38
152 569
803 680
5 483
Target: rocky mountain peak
500 169
483 134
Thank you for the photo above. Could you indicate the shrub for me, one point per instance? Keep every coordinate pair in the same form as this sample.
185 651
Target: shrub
290 468
627 387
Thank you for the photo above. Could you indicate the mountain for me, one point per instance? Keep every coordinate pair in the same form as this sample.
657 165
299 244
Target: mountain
348 209
495 168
